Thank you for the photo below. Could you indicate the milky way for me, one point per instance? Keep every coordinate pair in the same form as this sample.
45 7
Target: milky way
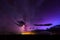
34 12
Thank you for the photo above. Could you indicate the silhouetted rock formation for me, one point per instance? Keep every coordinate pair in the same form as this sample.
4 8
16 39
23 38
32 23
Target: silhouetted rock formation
42 32
54 28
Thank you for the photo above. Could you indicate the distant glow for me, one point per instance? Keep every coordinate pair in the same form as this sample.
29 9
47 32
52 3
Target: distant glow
28 33
54 21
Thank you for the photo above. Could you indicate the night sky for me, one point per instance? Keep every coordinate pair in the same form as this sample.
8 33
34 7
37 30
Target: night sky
30 11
